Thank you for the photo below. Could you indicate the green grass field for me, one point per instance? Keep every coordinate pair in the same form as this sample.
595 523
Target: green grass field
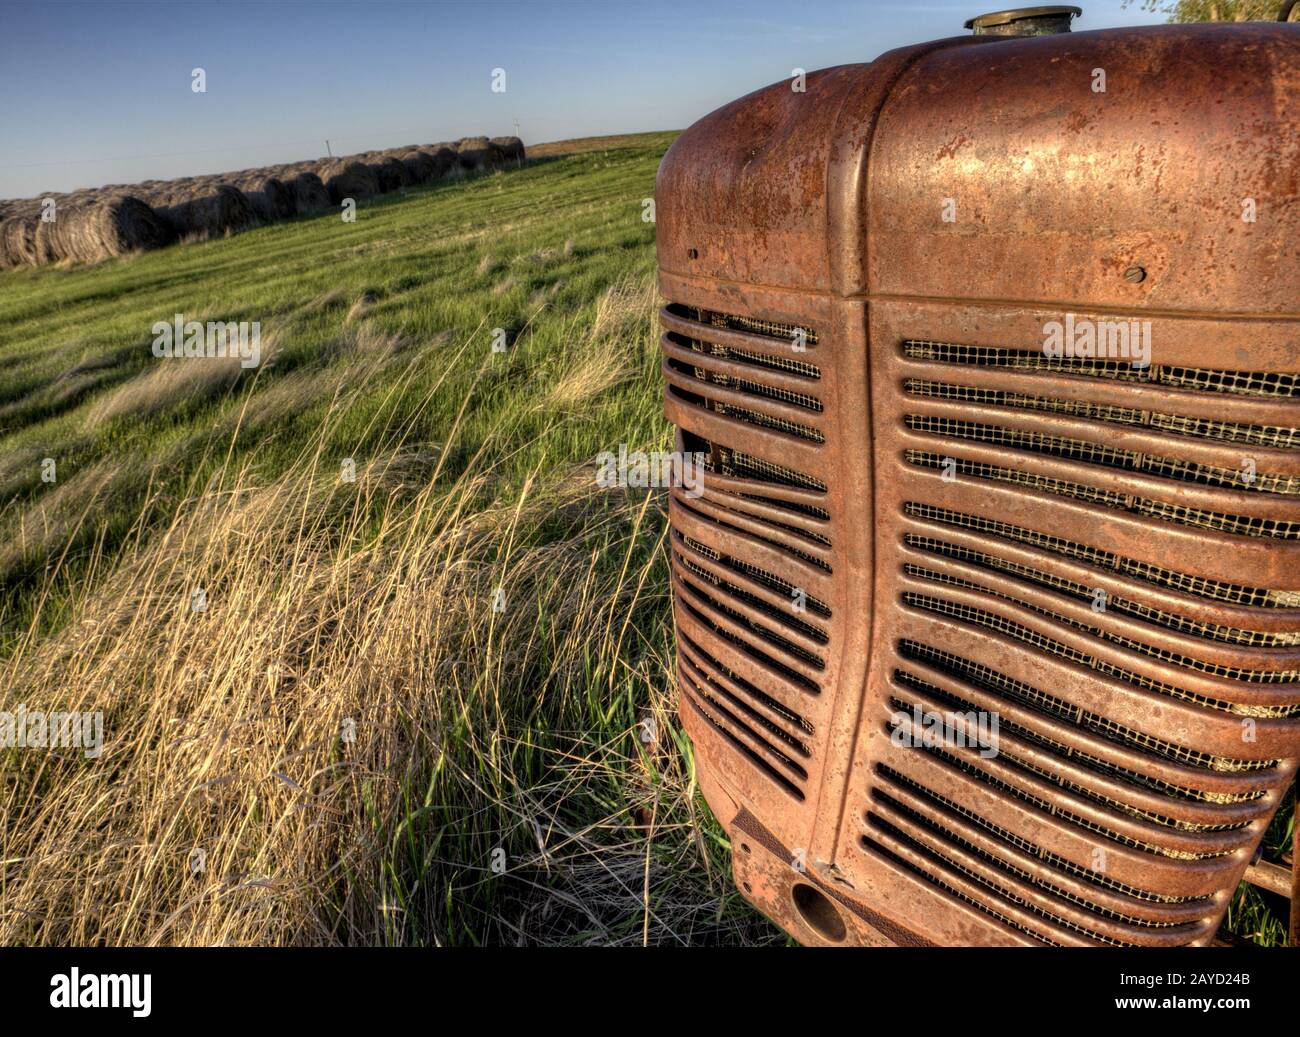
415 707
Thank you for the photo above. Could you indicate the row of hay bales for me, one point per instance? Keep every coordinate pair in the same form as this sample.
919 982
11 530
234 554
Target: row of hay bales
94 223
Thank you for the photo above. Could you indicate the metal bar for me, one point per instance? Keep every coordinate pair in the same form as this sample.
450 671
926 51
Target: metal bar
1269 876
1295 874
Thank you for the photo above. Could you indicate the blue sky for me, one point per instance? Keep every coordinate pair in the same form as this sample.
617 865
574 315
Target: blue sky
100 93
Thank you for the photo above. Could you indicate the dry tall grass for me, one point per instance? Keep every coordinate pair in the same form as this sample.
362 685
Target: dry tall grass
165 386
403 716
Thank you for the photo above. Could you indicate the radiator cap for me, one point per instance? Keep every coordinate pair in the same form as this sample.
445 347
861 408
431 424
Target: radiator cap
1025 21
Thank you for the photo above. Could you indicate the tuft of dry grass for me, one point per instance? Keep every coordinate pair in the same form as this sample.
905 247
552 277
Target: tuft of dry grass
609 347
166 385
359 308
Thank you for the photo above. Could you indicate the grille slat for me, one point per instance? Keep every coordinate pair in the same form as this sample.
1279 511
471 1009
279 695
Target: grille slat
1164 655
1245 383
759 720
931 871
753 634
756 326
1272 436
1103 456
758 637
804 545
957 814
804 635
1022 784
1131 792
983 676
1020 633
1211 590
1237 525
1011 884
779 709
1116 603
784 588
1036 868
769 762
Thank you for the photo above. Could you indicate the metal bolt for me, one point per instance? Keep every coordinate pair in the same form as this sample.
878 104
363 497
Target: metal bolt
1135 275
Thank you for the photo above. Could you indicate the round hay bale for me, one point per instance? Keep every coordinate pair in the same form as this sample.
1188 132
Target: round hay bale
420 166
390 173
444 161
474 153
308 192
18 237
511 148
107 227
346 179
270 198
205 211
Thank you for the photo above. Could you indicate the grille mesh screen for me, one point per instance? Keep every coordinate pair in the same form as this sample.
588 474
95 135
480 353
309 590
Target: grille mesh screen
756 326
1114 603
1098 454
960 705
1247 383
1054 809
992 885
1181 818
1213 590
980 905
748 357
1051 646
745 466
1164 655
983 676
1179 424
1238 525
1020 843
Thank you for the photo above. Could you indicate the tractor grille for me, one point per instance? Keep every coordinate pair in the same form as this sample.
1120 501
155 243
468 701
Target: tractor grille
988 602
1089 555
751 554
1082 554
